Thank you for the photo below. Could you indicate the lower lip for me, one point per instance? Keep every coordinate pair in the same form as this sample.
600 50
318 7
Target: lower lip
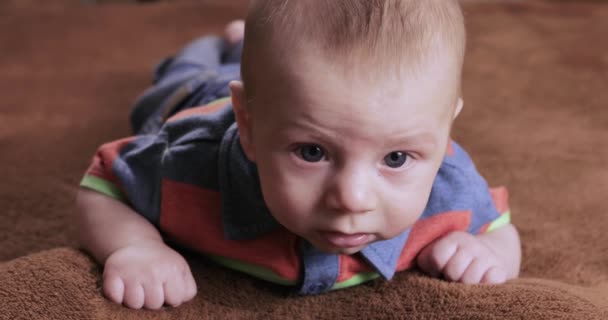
343 240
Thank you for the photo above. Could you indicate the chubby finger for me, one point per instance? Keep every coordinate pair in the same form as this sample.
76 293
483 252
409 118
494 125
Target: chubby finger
190 285
494 275
434 257
474 272
113 288
154 296
457 265
174 291
134 295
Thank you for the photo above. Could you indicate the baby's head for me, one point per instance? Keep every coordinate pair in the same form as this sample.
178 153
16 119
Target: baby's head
346 108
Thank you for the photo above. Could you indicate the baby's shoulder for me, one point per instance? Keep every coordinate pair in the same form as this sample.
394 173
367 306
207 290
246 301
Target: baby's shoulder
203 124
458 170
456 158
458 184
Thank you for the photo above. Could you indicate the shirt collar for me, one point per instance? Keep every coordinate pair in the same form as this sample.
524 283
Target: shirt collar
244 212
384 255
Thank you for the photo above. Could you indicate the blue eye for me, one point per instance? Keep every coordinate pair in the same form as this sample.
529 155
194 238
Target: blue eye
311 153
395 159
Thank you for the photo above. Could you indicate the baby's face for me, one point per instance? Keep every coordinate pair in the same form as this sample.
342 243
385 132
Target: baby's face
344 162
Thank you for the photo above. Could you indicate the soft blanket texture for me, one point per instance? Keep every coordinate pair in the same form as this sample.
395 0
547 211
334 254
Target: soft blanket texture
535 120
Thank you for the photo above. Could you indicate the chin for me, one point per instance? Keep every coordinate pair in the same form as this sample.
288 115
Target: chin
349 251
334 250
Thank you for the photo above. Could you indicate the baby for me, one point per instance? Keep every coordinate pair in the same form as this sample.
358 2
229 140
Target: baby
330 165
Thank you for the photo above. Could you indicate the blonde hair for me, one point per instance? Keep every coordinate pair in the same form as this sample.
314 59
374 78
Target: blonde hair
382 33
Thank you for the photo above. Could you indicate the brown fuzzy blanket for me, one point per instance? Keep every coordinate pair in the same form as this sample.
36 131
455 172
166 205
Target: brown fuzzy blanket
535 120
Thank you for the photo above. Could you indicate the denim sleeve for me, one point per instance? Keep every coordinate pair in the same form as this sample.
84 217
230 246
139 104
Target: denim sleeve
195 76
185 150
459 187
129 170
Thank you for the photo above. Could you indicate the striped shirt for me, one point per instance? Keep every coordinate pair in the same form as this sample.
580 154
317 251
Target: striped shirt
192 180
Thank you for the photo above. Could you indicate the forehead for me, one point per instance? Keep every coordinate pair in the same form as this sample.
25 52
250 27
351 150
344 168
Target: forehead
359 96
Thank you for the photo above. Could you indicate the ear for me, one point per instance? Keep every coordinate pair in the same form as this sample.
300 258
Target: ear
459 106
243 119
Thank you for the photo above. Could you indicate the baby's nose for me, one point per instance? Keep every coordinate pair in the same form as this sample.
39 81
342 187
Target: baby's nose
351 192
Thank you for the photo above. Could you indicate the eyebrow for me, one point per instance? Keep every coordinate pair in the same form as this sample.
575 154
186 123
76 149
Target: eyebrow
308 126
420 138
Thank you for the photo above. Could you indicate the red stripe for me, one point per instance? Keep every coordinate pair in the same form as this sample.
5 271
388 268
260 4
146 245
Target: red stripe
450 147
428 230
101 165
192 216
350 266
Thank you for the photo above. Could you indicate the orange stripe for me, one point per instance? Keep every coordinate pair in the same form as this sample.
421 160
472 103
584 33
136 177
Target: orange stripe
500 196
428 230
202 110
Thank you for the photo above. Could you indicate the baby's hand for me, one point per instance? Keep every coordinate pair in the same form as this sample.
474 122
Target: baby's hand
148 275
461 257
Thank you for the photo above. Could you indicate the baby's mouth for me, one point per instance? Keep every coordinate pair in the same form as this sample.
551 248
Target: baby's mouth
344 240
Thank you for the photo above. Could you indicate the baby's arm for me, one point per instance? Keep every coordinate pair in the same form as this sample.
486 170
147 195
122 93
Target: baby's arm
492 257
489 251
140 270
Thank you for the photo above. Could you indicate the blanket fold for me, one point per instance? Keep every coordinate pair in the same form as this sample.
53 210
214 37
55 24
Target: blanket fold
64 283
535 120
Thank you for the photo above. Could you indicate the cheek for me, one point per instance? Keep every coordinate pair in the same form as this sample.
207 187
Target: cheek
291 198
403 214
405 203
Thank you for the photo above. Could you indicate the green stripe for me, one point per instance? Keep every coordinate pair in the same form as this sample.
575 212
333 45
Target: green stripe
251 269
225 99
103 186
502 221
271 276
356 279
